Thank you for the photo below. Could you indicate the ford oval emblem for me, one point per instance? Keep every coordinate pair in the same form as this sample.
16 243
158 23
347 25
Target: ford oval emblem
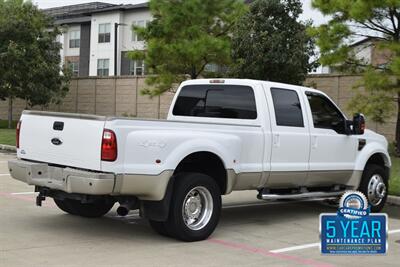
56 141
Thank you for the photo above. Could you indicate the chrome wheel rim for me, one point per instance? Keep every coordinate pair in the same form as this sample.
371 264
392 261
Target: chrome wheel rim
197 208
376 189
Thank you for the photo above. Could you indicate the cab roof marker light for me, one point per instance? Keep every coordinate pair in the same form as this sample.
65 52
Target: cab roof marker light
217 81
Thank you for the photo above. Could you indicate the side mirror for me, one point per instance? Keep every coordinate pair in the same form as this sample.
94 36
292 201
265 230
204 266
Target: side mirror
348 127
358 124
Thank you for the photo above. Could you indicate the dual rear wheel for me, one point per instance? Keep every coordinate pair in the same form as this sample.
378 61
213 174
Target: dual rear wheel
193 214
93 209
195 208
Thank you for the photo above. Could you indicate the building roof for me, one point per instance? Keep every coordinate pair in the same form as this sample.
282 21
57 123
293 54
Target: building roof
364 40
75 10
82 12
121 7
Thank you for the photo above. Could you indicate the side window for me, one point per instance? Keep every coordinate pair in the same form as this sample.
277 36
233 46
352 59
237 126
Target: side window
136 37
103 66
75 39
217 101
74 66
287 107
325 114
104 32
136 67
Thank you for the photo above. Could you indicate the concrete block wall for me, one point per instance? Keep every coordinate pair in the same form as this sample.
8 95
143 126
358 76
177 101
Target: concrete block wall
103 96
340 89
126 95
121 97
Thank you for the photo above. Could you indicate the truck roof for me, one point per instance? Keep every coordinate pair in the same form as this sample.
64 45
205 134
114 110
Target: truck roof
248 82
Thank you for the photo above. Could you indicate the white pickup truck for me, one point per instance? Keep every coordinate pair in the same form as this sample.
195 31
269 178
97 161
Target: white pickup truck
287 142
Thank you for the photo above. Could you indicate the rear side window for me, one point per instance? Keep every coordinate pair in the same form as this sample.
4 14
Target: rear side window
216 101
287 108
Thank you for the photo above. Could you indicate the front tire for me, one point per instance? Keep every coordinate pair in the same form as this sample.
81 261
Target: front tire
195 207
95 209
374 185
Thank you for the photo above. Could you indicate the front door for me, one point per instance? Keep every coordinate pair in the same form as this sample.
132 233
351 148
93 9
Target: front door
333 153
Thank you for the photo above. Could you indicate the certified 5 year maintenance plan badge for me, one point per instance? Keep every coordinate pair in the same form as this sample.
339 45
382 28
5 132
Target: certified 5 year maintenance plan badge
353 230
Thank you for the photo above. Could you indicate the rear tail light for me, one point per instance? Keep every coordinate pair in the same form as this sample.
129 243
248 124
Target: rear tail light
17 132
109 146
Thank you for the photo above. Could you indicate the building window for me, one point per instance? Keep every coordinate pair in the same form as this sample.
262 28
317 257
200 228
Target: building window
136 67
74 39
211 67
103 66
140 23
104 32
74 67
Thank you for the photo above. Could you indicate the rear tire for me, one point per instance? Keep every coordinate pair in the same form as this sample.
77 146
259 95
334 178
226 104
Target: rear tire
160 228
64 206
195 207
374 185
95 209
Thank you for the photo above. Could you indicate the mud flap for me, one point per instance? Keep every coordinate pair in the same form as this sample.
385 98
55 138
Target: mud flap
158 210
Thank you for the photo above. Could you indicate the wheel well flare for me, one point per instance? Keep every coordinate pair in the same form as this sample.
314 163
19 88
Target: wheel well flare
207 163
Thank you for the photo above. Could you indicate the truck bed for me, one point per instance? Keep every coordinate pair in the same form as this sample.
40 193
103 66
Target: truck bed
81 138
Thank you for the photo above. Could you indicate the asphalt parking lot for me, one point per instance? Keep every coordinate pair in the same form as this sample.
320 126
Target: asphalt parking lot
250 233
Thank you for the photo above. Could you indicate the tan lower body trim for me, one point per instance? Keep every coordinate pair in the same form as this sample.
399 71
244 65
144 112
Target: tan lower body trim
242 181
145 187
153 187
253 180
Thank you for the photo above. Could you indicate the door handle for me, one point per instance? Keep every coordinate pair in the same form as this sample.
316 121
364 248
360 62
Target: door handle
314 141
276 140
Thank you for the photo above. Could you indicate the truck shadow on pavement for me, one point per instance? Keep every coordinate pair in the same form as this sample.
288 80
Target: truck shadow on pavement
247 219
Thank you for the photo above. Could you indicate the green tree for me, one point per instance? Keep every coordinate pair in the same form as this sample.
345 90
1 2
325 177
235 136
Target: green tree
379 21
270 43
30 63
184 37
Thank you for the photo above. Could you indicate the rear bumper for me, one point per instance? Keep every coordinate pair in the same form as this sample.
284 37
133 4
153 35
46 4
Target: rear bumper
65 179
145 187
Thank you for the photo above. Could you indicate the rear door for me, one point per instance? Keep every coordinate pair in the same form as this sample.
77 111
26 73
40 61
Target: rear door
69 141
290 137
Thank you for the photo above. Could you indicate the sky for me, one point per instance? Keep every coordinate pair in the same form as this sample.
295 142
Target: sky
309 12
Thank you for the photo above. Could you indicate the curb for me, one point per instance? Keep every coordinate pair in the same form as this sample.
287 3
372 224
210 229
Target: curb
393 200
8 148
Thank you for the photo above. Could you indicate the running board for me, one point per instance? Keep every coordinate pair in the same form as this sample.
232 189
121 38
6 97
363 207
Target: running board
300 195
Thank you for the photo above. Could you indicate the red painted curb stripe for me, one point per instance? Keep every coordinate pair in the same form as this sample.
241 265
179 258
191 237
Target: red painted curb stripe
28 199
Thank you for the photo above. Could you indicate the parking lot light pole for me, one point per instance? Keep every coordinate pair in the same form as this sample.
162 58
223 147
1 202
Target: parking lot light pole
116 45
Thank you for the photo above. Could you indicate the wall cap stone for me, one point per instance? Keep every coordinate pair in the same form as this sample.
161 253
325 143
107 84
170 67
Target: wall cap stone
8 148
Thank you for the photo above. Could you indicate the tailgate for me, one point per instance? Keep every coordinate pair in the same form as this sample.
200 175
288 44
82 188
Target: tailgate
62 138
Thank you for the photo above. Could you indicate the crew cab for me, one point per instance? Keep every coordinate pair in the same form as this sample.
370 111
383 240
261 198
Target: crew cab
283 141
